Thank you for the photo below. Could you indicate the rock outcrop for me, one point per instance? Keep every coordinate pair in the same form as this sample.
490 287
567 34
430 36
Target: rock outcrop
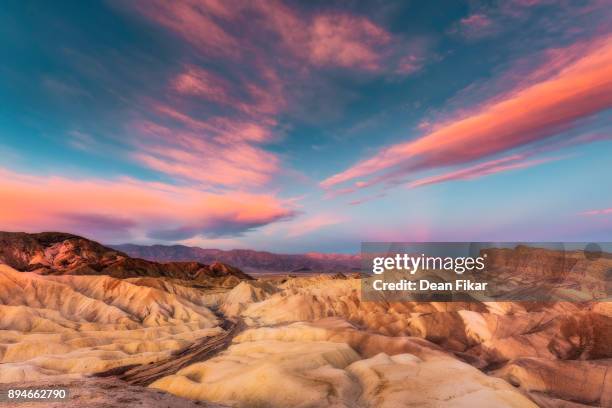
54 253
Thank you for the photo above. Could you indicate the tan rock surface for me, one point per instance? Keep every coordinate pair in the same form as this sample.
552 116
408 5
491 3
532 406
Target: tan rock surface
52 325
298 366
586 382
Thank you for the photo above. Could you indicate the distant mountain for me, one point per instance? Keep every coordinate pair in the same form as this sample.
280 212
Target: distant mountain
246 259
57 253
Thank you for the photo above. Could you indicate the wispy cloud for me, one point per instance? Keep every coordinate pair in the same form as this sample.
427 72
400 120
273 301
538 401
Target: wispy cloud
200 82
319 39
477 25
516 118
490 167
259 100
603 211
205 156
347 41
199 23
258 75
488 20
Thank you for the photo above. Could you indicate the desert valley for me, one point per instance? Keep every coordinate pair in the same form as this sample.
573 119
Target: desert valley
119 330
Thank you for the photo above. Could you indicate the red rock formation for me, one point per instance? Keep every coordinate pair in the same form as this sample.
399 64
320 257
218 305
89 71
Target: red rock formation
54 253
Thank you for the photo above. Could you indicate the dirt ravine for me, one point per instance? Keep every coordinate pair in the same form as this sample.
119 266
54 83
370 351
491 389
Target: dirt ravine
201 350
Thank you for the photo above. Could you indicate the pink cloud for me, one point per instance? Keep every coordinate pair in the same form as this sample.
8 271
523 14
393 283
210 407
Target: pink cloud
256 42
603 211
132 208
218 128
198 22
208 158
328 38
409 64
267 97
180 117
366 199
530 3
476 21
321 39
257 99
197 81
347 41
513 162
519 117
475 26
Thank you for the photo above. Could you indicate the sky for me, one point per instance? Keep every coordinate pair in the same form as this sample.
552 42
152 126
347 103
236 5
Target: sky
307 126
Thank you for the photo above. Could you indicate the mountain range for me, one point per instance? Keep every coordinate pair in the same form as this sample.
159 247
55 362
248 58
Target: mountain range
246 259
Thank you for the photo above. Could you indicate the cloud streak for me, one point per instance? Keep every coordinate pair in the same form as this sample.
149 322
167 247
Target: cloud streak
519 117
603 211
514 162
215 153
477 25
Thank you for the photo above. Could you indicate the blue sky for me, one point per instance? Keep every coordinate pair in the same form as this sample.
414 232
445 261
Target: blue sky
307 126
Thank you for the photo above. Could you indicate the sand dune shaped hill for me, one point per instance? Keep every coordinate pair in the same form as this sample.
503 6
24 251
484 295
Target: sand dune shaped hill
277 369
53 325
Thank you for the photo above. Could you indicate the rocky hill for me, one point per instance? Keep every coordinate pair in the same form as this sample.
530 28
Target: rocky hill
546 263
56 253
246 259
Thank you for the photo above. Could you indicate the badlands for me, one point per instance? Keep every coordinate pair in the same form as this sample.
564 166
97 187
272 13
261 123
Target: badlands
121 331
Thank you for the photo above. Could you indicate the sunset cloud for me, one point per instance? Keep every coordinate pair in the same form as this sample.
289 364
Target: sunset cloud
258 99
195 21
220 128
477 25
127 208
320 39
213 158
199 82
519 117
347 41
603 211
513 162
226 148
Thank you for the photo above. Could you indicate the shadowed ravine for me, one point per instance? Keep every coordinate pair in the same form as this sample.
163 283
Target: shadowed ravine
201 350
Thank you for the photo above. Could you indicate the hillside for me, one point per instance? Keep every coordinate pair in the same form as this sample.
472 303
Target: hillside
55 253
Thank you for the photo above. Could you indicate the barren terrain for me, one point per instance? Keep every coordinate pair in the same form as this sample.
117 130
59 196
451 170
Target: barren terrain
292 342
